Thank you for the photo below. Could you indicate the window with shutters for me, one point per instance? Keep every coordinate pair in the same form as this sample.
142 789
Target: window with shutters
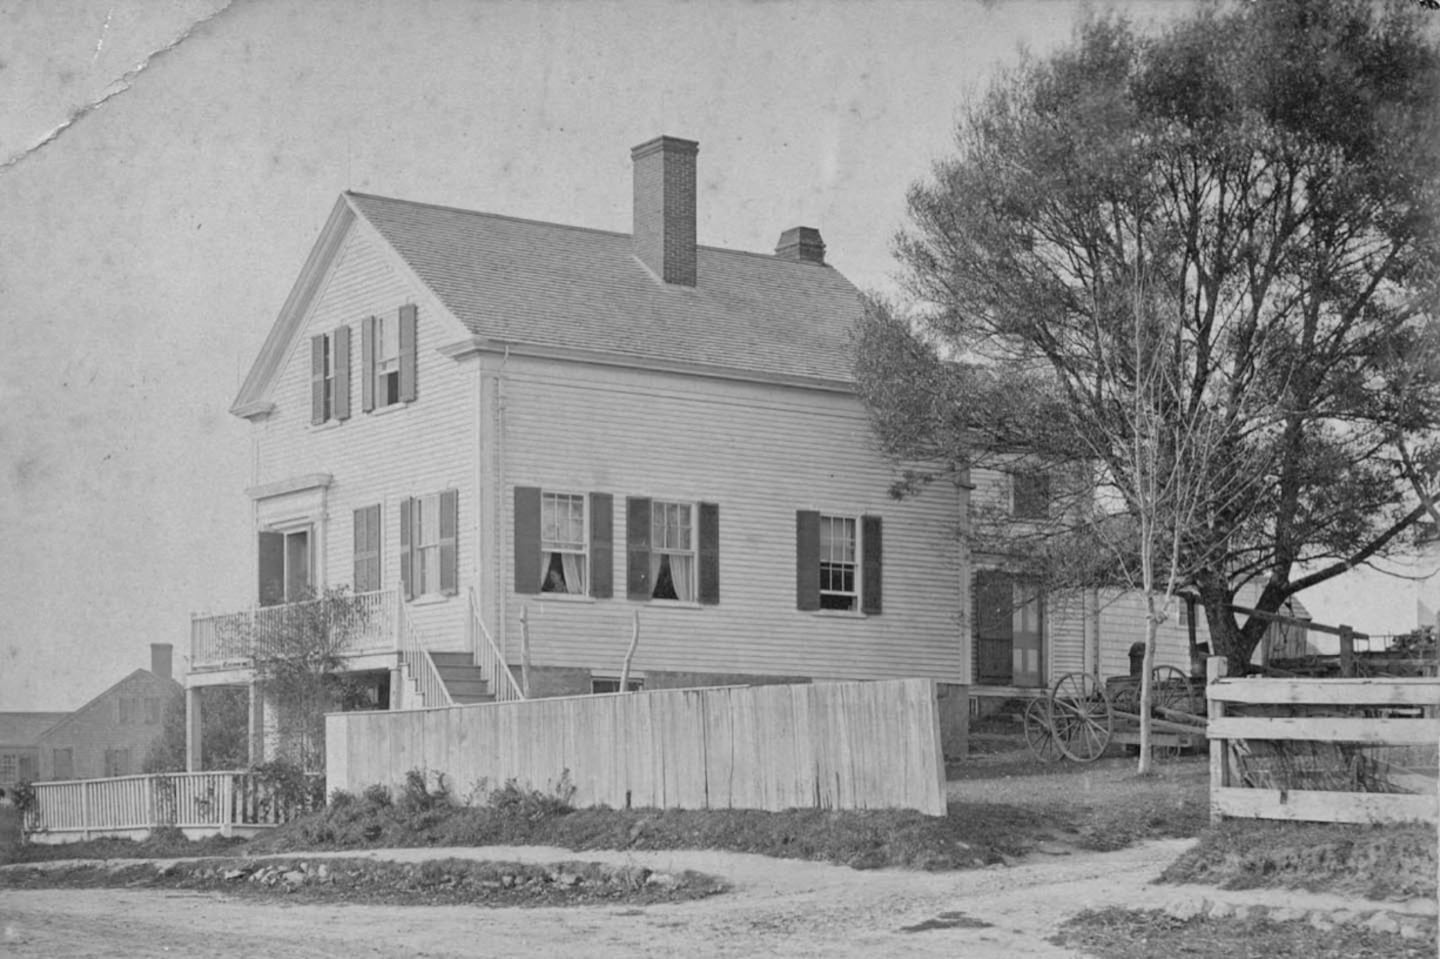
563 545
9 767
838 562
429 560
388 358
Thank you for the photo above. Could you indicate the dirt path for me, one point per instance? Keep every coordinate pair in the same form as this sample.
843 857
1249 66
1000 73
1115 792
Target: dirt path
777 908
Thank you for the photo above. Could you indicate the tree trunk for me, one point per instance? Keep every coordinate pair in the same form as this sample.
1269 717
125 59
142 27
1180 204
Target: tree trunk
1152 628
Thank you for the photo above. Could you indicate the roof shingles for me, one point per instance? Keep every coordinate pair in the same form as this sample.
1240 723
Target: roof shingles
546 284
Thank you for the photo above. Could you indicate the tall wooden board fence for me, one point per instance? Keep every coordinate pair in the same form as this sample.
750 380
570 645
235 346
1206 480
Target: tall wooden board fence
827 745
1401 712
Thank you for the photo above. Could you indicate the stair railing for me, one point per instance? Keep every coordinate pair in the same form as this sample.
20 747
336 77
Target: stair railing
490 660
418 664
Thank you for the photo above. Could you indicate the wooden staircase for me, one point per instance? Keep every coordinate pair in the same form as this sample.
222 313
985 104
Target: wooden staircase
464 681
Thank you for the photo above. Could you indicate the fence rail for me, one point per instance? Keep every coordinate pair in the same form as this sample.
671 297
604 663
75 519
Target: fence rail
231 639
826 745
1346 736
490 659
127 805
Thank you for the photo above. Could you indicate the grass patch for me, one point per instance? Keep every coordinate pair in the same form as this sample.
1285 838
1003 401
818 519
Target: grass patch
1127 934
161 844
1376 862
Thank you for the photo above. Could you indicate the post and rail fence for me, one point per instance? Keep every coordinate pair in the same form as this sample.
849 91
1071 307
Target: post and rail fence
1352 749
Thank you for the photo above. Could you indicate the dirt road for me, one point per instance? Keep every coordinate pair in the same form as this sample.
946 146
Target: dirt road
777 908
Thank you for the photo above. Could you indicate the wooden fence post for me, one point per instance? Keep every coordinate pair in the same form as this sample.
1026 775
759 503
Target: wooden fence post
525 651
1215 669
1347 651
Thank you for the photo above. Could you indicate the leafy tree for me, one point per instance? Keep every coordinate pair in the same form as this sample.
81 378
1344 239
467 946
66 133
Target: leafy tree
225 716
1266 173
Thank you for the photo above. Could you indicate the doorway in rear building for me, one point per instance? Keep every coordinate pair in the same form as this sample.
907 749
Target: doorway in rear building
1009 630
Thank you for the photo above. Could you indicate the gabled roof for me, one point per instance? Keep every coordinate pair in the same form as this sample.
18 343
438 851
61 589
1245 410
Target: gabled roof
513 282
166 685
23 729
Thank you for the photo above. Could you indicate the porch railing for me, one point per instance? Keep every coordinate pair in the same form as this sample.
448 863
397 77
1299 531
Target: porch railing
86 808
420 666
230 639
490 659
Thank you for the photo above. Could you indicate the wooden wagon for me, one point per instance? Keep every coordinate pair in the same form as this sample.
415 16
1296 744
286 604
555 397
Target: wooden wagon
1079 717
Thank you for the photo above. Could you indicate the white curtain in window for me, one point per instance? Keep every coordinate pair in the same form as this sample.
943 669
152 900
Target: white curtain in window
574 565
682 573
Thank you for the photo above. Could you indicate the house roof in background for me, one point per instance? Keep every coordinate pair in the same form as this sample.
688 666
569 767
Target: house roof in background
23 729
549 285
163 684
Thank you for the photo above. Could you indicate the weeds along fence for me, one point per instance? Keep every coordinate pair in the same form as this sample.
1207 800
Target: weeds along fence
826 745
1355 750
227 803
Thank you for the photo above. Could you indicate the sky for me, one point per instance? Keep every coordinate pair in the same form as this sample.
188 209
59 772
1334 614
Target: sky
165 166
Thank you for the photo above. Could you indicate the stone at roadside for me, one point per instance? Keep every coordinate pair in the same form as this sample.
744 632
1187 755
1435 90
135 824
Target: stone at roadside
1382 922
1222 910
294 877
1185 908
233 874
662 879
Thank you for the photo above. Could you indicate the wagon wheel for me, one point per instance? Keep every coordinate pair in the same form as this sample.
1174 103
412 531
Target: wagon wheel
1169 689
1125 697
1039 732
1080 716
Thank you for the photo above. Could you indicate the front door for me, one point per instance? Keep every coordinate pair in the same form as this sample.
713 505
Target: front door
1009 631
284 567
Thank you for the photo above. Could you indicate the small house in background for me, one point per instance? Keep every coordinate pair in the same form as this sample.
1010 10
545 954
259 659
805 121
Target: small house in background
110 734
19 752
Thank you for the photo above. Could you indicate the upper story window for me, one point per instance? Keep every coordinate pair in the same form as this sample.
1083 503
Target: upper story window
838 562
388 353
1030 495
330 376
564 548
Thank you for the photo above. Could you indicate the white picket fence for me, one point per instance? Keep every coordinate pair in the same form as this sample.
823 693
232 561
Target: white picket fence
208 803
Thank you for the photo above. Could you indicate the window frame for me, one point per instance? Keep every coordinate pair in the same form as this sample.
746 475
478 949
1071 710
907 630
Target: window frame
634 684
836 596
381 372
659 551
425 506
554 546
9 767
1035 496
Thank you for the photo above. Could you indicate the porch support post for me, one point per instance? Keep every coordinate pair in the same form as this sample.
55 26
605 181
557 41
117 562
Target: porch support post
193 732
255 741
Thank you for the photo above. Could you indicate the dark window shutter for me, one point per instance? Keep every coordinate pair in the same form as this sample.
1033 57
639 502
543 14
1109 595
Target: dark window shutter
807 559
367 364
994 604
317 380
709 588
602 545
872 552
367 549
449 542
637 547
342 373
527 539
407 353
272 569
407 548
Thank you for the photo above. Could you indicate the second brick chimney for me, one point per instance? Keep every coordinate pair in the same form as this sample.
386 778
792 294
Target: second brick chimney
160 656
664 231
801 243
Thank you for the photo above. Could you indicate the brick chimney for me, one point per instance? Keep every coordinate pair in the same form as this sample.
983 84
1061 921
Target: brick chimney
664 235
160 654
801 243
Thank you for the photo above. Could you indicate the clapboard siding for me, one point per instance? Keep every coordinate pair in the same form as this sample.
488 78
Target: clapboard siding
1122 623
382 457
761 453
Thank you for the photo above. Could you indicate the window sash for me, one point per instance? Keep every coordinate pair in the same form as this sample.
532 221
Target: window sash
327 373
672 550
564 546
839 571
